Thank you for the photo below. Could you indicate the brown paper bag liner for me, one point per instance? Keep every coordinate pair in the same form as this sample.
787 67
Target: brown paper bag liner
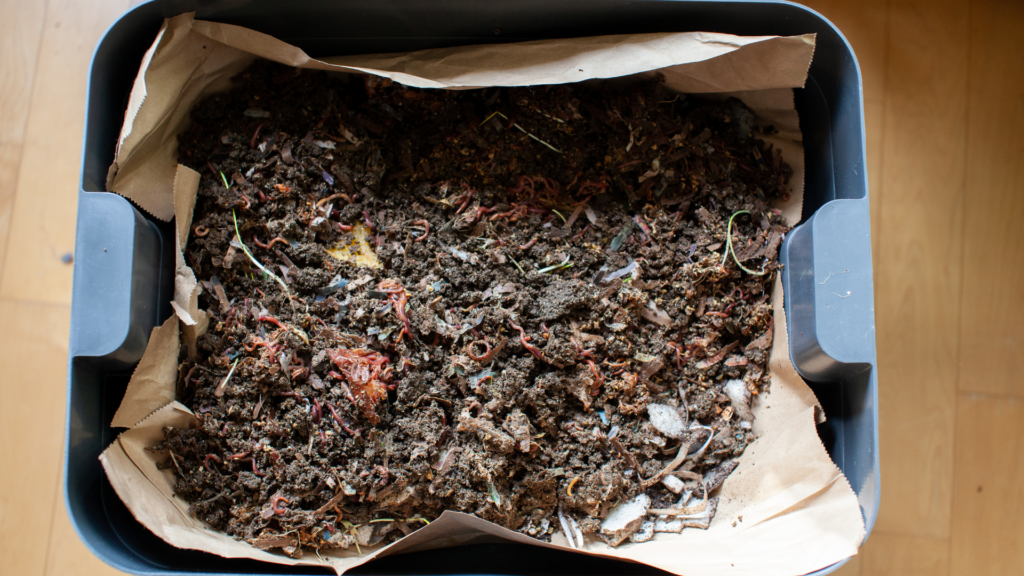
785 510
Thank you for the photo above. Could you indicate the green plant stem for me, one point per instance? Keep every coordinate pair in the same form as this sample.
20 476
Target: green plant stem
564 264
729 248
284 286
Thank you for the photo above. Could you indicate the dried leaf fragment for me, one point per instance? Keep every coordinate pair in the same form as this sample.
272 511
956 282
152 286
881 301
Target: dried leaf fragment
761 342
656 315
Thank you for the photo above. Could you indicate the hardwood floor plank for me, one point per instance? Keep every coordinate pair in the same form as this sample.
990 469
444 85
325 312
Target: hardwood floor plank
21 25
10 156
901 555
918 262
32 353
989 491
43 222
992 330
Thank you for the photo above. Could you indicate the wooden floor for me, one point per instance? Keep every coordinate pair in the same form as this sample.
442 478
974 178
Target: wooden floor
944 98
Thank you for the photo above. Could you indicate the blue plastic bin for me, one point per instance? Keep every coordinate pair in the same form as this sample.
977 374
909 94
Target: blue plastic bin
125 264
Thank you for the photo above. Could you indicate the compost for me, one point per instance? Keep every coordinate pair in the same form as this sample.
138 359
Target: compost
549 307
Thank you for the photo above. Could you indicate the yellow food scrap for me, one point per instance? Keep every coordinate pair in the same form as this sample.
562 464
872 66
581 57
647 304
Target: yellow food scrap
357 251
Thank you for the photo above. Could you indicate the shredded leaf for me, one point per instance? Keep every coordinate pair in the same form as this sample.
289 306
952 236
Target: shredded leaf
621 237
337 283
656 315
494 493
628 269
219 391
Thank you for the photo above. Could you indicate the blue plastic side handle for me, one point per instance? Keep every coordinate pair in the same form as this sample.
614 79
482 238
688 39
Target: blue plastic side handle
117 272
829 292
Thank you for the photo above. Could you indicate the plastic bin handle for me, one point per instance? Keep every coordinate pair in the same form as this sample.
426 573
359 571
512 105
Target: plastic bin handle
830 302
117 273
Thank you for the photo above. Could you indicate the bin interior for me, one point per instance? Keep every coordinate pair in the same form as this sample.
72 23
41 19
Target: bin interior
116 303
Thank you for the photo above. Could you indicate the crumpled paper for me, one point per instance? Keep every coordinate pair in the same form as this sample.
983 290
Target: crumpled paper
785 510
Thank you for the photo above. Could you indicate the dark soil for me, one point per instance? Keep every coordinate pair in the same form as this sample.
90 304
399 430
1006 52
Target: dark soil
493 362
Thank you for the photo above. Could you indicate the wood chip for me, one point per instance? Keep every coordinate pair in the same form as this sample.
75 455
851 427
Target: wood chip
332 502
709 362
761 342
